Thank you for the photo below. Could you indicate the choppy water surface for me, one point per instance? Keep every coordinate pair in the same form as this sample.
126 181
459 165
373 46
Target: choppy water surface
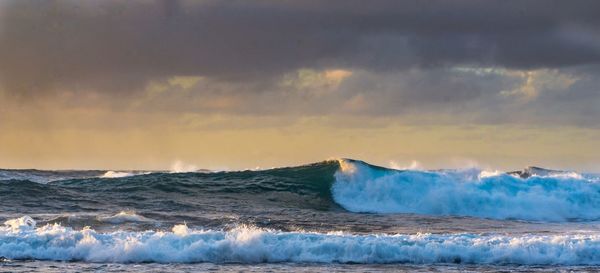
341 215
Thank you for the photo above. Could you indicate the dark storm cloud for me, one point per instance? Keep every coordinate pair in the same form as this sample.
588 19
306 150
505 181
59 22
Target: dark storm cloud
118 46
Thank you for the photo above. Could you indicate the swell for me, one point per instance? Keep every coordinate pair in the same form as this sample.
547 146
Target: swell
303 186
21 240
354 185
44 176
312 178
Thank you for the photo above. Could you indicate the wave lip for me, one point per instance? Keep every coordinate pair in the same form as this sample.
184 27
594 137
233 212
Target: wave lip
360 187
121 174
252 245
115 174
123 217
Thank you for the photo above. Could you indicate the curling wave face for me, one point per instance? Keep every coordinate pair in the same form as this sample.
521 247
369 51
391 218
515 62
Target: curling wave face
20 239
326 186
360 187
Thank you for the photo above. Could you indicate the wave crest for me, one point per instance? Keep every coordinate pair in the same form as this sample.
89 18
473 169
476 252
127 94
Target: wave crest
360 187
252 245
123 217
121 174
24 223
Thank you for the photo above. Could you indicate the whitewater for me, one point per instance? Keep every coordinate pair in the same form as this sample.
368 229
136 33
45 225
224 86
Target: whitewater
345 215
22 240
554 197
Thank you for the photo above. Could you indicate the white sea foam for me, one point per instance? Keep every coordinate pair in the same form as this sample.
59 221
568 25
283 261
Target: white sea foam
115 174
20 224
361 188
122 217
573 175
487 173
253 245
121 174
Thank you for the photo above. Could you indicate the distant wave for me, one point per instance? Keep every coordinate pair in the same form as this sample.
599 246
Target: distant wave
20 239
43 177
533 194
113 174
360 187
122 217
121 174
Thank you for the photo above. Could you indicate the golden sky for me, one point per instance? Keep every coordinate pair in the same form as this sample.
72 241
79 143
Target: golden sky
236 85
84 139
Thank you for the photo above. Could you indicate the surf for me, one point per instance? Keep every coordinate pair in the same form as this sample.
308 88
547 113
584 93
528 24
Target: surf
20 239
360 187
344 184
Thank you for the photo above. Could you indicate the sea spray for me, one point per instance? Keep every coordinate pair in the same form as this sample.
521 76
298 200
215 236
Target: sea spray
360 187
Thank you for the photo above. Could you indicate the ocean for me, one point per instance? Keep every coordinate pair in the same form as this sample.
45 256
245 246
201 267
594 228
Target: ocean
338 215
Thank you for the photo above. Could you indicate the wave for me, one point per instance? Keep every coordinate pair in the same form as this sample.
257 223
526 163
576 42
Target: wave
20 239
121 174
114 174
533 194
43 177
123 217
360 187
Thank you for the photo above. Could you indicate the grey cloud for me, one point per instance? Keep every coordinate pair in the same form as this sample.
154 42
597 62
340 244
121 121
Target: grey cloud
118 46
578 104
406 57
566 96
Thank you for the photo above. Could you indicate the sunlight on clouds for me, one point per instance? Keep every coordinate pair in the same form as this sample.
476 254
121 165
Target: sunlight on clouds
528 90
533 82
315 82
181 82
336 76
177 90
184 82
155 88
537 81
481 71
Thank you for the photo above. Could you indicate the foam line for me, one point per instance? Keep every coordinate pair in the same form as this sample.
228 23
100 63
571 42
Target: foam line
20 239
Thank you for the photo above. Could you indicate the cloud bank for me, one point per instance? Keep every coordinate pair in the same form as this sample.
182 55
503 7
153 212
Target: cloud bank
531 62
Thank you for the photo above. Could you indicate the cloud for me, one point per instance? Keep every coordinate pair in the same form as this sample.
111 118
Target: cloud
112 44
460 61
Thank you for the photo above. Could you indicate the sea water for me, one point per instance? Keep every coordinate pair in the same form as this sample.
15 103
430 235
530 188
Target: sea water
338 215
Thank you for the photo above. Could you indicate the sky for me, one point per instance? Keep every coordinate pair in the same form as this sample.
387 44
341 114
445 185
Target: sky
246 84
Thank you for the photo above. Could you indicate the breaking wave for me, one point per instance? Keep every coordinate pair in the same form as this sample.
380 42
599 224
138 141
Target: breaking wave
121 174
20 239
360 187
123 217
533 194
114 174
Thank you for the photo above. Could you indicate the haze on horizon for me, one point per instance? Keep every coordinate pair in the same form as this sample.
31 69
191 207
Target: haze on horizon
240 84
